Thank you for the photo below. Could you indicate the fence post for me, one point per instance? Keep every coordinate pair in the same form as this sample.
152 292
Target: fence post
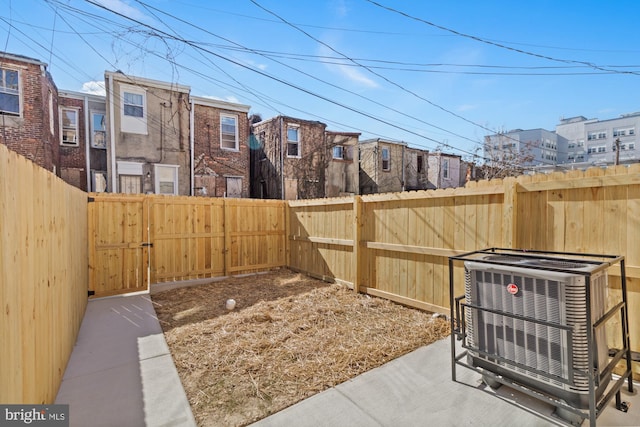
226 224
510 213
146 238
287 232
358 251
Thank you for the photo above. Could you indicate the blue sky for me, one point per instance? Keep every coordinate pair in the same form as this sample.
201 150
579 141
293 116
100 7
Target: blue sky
433 74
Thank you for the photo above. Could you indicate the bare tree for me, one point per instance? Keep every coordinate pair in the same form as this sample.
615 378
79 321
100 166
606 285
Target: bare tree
504 156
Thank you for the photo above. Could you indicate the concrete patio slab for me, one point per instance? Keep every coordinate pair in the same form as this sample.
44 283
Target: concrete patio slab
417 389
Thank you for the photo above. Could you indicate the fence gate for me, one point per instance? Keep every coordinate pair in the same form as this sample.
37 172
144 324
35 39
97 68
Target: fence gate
118 244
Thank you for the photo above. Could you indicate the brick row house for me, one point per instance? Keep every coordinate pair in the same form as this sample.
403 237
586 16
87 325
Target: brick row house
143 136
149 136
221 148
29 110
390 166
300 159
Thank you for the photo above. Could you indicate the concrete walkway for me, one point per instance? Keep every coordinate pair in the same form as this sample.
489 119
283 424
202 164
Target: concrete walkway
417 390
121 372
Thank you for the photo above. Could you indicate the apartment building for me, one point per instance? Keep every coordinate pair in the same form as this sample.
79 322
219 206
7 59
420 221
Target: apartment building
576 141
524 147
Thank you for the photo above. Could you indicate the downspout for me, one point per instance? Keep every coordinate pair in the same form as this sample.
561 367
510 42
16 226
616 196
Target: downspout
192 144
281 162
87 141
112 132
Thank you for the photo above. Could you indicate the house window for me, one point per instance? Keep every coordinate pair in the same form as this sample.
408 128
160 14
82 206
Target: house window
129 177
133 104
98 181
445 168
229 132
9 92
386 159
134 115
234 186
69 131
293 141
338 152
420 165
166 179
130 184
98 131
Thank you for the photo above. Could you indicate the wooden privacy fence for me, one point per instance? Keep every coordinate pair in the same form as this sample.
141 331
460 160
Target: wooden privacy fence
138 240
43 278
397 245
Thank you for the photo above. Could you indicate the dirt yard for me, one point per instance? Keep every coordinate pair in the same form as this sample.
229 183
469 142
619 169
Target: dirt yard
289 337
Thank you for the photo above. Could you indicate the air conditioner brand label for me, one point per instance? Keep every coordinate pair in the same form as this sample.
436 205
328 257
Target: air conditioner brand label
512 288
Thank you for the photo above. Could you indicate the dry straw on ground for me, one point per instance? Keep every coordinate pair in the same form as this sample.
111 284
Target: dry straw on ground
288 338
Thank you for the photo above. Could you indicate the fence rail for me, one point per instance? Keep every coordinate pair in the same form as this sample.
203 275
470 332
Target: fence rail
397 245
140 240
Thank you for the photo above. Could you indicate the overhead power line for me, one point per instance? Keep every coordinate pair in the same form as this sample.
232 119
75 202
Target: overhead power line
500 45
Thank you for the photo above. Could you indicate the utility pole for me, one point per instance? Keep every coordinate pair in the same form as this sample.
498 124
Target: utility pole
617 151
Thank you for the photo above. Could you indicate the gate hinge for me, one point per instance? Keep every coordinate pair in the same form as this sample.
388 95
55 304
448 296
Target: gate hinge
147 244
91 293
91 199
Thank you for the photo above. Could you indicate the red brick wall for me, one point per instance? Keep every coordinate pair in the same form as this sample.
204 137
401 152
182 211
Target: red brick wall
304 175
210 159
73 161
30 134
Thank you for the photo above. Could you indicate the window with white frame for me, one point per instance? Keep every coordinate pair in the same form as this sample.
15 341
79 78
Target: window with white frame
134 112
69 126
386 159
626 131
133 104
293 141
229 132
338 152
9 92
166 179
445 168
98 130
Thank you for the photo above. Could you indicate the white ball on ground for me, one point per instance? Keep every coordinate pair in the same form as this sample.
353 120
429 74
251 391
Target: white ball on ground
231 304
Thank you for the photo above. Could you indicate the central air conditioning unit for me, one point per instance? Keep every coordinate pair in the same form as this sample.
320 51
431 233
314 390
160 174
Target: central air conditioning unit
538 322
530 324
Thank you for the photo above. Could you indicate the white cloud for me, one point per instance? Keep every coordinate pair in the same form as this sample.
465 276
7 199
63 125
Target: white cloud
94 88
350 72
467 107
122 7
341 9
257 65
355 75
